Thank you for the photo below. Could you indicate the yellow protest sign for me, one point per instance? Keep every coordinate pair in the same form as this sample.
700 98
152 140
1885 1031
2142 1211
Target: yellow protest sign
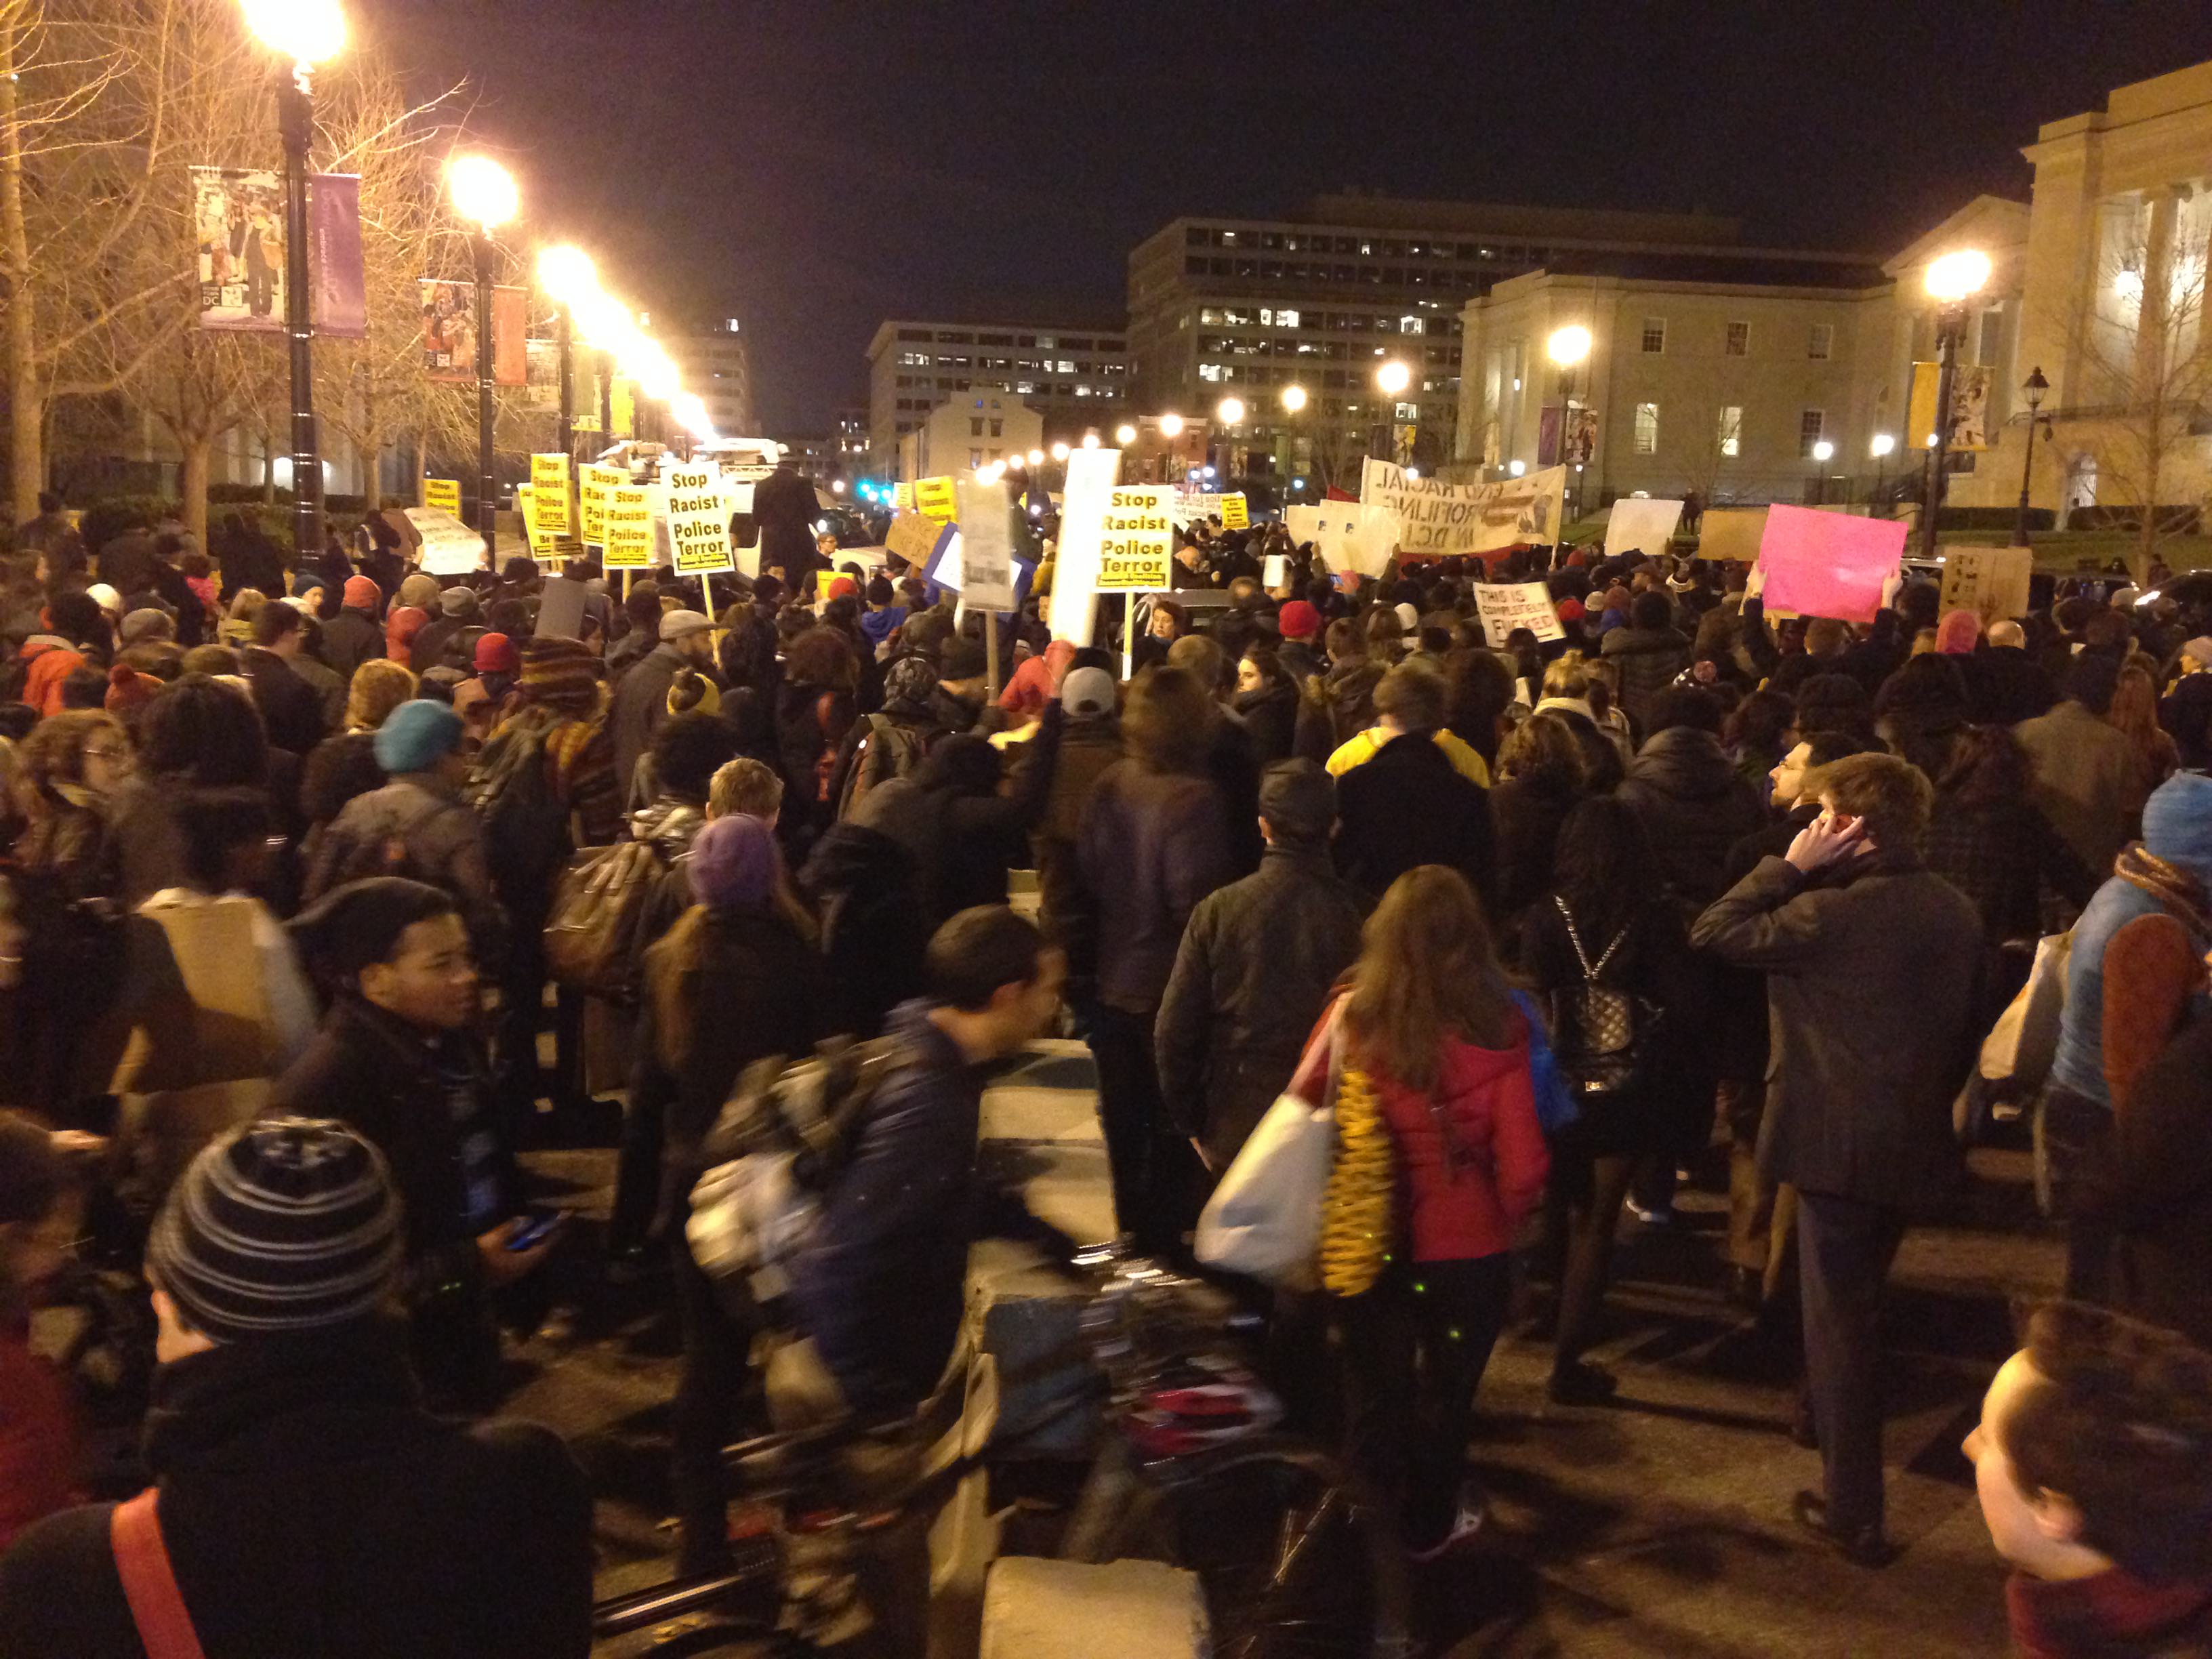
698 524
934 498
1234 513
549 494
596 485
1137 549
631 509
525 503
444 494
903 497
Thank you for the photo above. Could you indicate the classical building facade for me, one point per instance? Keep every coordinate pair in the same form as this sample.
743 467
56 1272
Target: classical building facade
968 430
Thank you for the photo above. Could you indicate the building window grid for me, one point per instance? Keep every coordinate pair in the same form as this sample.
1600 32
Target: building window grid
1647 428
1811 424
1738 342
1729 434
1821 342
1655 336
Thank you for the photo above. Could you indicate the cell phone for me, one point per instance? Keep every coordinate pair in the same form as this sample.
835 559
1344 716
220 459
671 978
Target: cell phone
537 1226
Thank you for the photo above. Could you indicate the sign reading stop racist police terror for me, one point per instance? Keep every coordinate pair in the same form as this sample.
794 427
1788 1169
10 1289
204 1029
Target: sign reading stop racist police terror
698 523
1138 547
631 511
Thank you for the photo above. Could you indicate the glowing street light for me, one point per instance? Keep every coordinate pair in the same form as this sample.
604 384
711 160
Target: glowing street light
1230 409
1125 434
1568 346
1294 399
1015 462
567 275
1036 458
485 194
1393 377
306 33
1059 452
836 486
1953 281
1091 440
1824 451
1170 426
1517 468
1883 444
688 411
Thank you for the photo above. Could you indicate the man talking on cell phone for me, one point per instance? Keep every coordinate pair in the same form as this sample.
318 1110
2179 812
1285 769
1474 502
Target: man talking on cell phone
1871 963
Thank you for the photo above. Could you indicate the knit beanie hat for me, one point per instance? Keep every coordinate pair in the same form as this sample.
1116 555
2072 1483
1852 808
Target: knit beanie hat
2199 650
734 862
909 679
415 736
458 602
1958 633
692 693
419 591
2176 823
146 623
496 654
127 688
361 594
1087 692
286 1225
560 673
1299 621
107 598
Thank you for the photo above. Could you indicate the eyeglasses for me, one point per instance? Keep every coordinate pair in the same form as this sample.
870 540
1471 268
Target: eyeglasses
106 751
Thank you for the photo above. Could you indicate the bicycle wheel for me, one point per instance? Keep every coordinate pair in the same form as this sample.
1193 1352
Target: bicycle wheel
1293 1564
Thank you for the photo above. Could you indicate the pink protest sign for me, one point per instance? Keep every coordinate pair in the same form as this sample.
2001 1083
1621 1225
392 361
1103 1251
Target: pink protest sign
1828 564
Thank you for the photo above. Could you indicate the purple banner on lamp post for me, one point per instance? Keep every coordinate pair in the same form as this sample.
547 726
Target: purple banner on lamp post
337 282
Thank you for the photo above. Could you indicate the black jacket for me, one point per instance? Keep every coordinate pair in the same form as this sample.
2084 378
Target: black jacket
1648 659
290 706
1152 845
1872 983
311 1508
785 509
1271 715
641 705
1525 815
1251 978
1695 805
1408 807
2006 686
2156 1189
350 639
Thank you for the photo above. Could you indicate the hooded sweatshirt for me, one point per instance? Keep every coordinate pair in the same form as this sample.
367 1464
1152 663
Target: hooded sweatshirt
1695 805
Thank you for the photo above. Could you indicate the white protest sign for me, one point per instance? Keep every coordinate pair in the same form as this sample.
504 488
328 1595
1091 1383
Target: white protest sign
1275 571
1439 520
632 510
1349 535
986 547
1640 525
698 523
1137 552
450 548
1504 607
1990 581
1090 476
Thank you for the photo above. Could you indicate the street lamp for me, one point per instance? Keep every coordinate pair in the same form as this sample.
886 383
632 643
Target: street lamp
483 194
1882 445
1170 426
1125 434
1059 452
1294 399
1091 440
1568 347
567 274
1391 378
1036 458
307 33
1951 281
1823 453
2032 390
1230 409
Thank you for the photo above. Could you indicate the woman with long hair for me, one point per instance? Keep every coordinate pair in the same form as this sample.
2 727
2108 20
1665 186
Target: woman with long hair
815 707
344 766
70 766
1428 1036
1541 774
1605 947
2134 715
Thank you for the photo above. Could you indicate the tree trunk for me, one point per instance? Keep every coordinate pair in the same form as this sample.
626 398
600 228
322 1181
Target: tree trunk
268 471
26 401
199 455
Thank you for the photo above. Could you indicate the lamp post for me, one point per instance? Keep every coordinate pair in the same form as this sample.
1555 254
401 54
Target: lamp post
1568 347
1881 447
485 194
1953 281
1229 411
1390 379
1823 453
567 274
2034 389
308 33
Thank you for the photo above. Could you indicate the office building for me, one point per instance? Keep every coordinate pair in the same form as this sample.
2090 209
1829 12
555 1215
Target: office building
1077 379
711 357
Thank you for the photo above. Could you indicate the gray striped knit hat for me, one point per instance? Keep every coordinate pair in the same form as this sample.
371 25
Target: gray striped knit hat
288 1224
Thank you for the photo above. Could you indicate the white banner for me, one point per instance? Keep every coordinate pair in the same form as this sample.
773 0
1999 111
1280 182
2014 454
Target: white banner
1439 520
450 548
1640 525
1090 476
1504 607
1349 535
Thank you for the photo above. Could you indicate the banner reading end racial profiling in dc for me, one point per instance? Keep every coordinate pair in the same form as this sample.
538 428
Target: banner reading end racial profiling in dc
1439 520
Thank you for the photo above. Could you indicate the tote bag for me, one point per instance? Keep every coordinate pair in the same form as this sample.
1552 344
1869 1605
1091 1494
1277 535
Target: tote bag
1264 1219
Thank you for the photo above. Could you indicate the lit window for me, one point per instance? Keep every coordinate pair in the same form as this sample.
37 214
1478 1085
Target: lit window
1821 343
1655 335
733 324
1286 320
1739 340
1809 426
1410 325
1209 371
1647 428
1730 435
975 459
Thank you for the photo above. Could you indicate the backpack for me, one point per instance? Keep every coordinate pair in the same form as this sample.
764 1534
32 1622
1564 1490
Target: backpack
784 1136
1604 1034
600 906
888 748
361 858
526 831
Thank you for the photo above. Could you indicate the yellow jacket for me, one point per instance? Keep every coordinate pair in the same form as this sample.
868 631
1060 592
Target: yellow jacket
1359 750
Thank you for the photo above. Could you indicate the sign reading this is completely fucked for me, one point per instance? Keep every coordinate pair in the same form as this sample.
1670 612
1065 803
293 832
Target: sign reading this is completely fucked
1137 549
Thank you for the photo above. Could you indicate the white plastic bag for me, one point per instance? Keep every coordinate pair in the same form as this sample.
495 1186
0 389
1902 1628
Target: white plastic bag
2021 1045
1264 1219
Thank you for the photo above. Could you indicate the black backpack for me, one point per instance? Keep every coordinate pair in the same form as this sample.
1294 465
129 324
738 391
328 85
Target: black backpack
1604 1035
526 828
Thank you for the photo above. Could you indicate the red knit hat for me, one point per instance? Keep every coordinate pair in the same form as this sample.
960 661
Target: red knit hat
496 654
127 688
1299 621
363 594
1569 610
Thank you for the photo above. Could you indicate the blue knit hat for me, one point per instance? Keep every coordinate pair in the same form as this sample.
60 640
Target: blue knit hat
733 863
415 736
2176 823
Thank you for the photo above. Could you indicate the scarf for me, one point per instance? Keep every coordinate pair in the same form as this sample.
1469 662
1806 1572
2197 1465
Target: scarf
2172 887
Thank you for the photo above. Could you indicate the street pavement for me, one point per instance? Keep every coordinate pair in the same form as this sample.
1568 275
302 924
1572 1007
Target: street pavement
1658 1524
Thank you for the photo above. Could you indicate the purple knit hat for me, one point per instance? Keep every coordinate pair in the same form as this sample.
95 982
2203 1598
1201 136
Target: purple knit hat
733 863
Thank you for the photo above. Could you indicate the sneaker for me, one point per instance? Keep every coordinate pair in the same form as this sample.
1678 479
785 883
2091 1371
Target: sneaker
1578 1382
1474 1515
1659 1217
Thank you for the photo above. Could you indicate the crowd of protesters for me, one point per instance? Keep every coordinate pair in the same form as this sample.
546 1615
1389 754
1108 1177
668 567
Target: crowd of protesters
334 889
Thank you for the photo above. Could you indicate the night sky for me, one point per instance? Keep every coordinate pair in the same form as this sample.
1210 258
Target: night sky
815 169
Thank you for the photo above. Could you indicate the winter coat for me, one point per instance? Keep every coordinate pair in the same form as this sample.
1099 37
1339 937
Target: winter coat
2156 1189
1335 705
1253 972
1271 715
1649 659
784 508
310 1508
41 1439
640 704
2086 780
1890 949
350 639
1470 1155
2003 854
290 706
1152 845
421 830
1067 908
1525 815
1407 806
1695 805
